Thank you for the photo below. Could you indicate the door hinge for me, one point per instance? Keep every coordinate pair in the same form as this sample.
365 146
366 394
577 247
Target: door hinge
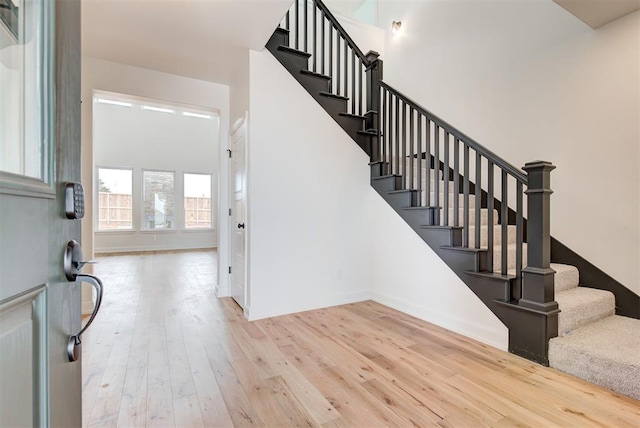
229 151
229 211
229 269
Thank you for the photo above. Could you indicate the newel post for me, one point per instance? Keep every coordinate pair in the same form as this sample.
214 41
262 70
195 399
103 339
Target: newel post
374 77
538 277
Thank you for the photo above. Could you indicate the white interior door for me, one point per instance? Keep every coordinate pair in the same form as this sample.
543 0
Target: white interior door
39 308
238 225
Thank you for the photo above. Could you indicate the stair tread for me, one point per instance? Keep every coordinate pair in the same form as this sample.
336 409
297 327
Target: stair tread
581 306
313 73
494 275
386 176
293 51
354 116
604 353
464 249
330 95
606 333
399 191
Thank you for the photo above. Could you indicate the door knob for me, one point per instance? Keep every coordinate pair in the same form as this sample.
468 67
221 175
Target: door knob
73 262
240 225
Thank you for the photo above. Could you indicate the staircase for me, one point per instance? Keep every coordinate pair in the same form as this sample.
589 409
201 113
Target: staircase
464 201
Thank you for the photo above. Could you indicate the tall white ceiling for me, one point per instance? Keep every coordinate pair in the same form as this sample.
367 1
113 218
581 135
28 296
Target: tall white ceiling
202 39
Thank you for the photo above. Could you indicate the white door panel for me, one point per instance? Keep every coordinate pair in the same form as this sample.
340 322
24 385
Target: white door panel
238 223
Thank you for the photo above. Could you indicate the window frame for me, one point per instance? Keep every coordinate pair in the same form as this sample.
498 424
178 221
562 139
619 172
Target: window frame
143 224
97 201
184 198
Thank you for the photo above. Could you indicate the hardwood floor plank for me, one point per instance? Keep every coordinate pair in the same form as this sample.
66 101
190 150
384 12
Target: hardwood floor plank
187 412
235 398
134 397
165 351
160 412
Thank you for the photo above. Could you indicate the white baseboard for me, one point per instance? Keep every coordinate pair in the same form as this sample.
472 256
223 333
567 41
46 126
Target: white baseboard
326 302
467 328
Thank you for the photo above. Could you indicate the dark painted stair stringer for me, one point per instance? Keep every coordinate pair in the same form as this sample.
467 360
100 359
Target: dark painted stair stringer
526 326
296 62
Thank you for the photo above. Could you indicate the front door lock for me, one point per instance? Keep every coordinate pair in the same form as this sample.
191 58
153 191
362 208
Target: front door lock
73 262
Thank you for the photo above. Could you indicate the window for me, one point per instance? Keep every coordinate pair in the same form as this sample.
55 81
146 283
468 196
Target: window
115 199
197 201
158 200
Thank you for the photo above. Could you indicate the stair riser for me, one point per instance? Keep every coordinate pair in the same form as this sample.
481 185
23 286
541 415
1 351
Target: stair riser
465 261
421 217
578 310
292 62
378 169
450 200
279 38
386 184
511 258
497 235
472 220
349 124
333 106
313 84
446 237
401 199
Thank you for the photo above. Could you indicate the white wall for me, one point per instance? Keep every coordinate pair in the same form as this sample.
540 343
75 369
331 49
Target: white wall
530 81
239 89
108 76
140 140
409 276
308 226
319 235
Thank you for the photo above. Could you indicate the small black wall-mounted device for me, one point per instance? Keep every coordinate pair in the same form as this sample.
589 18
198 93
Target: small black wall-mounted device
74 200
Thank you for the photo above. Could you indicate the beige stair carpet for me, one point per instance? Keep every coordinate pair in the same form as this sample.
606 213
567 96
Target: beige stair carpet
606 353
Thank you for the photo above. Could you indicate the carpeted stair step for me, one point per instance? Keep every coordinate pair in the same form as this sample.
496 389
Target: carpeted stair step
511 257
484 216
450 199
566 278
581 306
497 235
606 353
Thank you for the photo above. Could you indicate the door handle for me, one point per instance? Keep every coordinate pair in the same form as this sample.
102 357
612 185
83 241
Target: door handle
74 346
240 225
72 266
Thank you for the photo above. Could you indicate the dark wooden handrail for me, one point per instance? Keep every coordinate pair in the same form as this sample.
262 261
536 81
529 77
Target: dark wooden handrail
341 31
497 160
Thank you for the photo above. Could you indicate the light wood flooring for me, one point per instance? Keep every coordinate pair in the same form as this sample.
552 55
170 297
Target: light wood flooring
164 351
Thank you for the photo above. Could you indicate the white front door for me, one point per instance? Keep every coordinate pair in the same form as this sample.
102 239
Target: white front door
238 213
39 152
